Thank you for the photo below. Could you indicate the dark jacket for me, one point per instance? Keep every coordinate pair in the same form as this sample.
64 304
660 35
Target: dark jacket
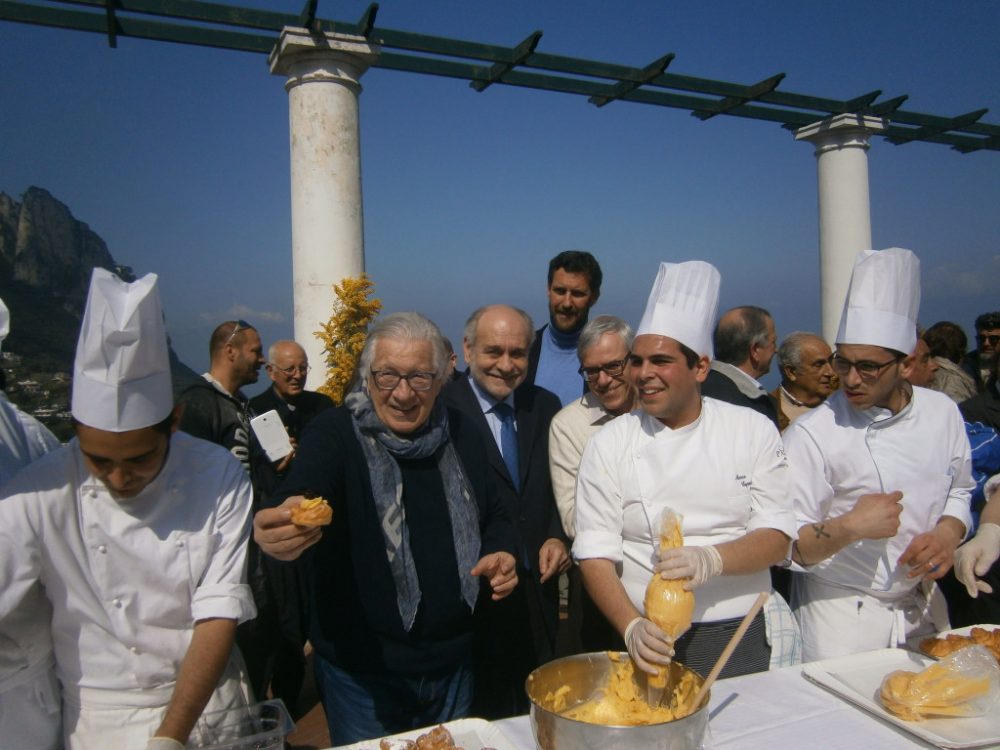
215 416
984 407
720 387
355 622
518 633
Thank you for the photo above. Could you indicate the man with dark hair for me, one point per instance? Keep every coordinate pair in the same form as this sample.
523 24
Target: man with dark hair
745 342
721 467
979 362
216 410
807 378
947 343
513 417
574 285
881 477
138 534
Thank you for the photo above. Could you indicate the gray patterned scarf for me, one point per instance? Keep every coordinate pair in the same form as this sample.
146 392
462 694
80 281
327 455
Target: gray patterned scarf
380 444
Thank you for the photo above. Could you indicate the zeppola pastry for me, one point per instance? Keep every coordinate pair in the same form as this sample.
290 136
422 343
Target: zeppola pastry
439 738
312 512
949 644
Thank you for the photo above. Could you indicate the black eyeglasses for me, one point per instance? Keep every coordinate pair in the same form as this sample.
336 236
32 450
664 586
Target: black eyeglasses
293 370
387 380
867 371
993 339
241 325
613 369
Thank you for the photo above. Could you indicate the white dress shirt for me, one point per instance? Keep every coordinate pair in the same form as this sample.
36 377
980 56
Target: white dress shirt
725 473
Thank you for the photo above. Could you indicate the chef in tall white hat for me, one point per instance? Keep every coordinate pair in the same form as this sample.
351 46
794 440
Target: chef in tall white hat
720 466
138 534
29 692
881 477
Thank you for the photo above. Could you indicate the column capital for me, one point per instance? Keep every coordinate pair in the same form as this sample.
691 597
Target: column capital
841 131
305 57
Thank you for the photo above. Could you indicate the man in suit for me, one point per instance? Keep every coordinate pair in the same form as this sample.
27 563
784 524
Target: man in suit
574 286
515 635
745 342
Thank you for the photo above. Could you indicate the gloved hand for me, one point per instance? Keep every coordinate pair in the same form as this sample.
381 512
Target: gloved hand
975 557
648 645
164 743
698 564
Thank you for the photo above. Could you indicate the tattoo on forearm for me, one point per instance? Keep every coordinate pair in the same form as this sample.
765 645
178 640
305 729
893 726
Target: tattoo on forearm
820 529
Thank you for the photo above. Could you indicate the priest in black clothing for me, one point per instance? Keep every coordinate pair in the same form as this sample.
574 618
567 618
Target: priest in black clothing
286 617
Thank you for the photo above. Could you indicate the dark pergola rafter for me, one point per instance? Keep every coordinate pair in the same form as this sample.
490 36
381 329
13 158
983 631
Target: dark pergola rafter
483 65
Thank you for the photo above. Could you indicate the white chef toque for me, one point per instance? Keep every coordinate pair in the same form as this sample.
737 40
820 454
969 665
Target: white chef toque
882 300
4 322
121 376
682 305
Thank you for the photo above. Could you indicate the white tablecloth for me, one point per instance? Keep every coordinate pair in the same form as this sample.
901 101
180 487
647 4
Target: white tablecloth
777 710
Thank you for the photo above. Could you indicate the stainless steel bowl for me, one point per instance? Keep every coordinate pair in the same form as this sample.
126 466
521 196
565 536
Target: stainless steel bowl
586 674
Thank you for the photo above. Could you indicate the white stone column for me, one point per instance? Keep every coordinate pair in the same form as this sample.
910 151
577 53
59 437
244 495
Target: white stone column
844 212
327 220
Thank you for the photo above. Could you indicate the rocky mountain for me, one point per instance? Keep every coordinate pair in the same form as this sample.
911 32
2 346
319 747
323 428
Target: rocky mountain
46 259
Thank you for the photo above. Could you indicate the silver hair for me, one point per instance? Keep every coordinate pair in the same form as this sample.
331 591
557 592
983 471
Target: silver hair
469 334
790 351
599 326
405 326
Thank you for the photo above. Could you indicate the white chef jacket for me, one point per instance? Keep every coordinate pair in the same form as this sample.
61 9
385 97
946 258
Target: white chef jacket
128 579
838 453
29 694
727 475
569 432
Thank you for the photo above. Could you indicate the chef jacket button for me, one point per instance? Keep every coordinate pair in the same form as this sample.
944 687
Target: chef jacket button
117 603
102 549
179 542
134 650
92 493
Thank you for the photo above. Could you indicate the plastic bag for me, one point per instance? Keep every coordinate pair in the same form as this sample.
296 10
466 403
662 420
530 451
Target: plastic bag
967 683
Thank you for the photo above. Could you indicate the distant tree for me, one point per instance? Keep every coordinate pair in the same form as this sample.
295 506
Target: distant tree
344 335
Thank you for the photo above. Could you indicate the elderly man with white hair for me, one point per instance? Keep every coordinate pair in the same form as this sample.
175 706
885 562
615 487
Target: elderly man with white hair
417 529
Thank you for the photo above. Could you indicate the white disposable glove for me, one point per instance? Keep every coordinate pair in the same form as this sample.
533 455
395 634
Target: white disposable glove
648 645
698 564
164 743
975 557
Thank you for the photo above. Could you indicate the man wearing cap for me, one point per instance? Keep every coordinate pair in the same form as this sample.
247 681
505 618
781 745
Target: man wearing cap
881 477
679 451
138 535
29 692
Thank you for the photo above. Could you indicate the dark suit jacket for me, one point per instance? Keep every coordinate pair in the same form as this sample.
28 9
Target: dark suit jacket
517 634
720 387
983 408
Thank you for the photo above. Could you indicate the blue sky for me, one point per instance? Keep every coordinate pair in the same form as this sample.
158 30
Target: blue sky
178 157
